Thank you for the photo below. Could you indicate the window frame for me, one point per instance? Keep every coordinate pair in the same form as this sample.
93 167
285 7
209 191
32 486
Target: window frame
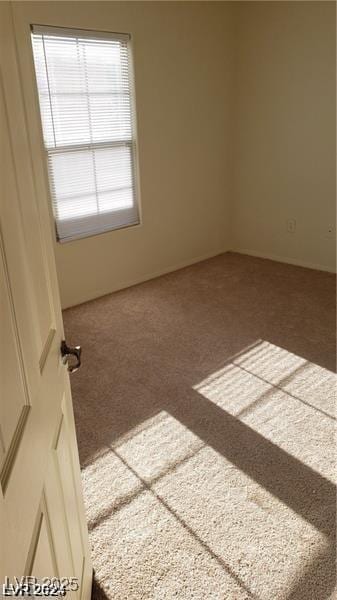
131 144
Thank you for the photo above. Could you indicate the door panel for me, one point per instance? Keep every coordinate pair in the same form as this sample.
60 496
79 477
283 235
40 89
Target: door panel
43 558
12 381
43 528
37 267
67 485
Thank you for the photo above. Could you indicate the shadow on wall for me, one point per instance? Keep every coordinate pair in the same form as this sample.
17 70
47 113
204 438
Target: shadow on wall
184 410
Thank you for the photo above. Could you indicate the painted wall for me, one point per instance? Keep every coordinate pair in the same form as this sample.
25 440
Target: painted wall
182 60
236 134
285 131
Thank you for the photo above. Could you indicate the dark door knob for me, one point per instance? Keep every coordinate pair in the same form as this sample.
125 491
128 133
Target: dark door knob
68 353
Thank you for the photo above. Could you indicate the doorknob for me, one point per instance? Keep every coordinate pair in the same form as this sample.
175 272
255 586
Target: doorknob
67 352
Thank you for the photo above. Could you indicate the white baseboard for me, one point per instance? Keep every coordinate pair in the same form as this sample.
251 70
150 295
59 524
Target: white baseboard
147 277
283 259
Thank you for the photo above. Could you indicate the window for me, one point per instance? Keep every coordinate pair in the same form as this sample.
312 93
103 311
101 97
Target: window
85 92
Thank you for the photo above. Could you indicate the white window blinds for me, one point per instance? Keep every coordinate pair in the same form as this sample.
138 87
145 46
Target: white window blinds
85 93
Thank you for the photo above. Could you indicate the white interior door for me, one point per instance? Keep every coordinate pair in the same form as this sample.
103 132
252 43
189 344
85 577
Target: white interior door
43 528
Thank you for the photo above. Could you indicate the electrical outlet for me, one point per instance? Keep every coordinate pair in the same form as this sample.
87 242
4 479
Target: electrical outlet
291 225
330 232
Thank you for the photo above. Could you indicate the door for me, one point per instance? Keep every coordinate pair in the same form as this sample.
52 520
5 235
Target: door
43 528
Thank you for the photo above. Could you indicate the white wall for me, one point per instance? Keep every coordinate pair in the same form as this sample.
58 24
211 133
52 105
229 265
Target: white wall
285 131
182 59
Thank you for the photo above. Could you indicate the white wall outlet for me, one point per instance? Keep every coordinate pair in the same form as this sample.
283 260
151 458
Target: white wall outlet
291 225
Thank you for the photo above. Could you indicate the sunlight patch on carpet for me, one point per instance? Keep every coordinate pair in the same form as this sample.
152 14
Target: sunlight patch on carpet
170 517
284 398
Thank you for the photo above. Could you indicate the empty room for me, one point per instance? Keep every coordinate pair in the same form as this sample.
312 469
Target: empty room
168 299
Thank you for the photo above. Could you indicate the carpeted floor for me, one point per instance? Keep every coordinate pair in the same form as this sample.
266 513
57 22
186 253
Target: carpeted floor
204 411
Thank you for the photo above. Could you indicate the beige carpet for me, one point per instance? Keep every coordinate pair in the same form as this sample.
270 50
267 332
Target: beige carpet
204 410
